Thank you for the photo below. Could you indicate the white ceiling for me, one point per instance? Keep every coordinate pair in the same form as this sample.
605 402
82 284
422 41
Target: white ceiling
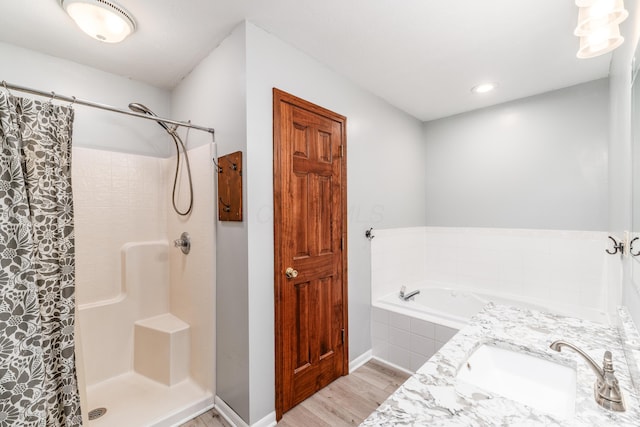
422 56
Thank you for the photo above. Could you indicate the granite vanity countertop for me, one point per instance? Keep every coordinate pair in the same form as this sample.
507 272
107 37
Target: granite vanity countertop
431 397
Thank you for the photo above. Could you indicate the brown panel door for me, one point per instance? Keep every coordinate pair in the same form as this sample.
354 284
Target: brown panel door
310 250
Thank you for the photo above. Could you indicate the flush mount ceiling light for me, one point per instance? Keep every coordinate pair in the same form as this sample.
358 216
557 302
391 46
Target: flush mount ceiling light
598 26
484 87
101 19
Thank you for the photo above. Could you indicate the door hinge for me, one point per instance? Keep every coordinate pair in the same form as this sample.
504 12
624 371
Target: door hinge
342 243
342 151
342 336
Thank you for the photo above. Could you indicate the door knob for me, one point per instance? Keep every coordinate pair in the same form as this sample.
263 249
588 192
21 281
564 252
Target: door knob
291 273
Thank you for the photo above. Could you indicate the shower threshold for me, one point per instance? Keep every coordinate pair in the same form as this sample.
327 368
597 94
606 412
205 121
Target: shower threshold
135 401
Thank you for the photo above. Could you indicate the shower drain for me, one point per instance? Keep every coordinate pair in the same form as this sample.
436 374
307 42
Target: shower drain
94 414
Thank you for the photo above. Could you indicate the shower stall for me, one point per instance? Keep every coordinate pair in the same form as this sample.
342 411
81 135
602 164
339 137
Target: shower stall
145 309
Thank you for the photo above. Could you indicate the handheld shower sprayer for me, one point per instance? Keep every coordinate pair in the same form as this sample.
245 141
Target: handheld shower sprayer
143 109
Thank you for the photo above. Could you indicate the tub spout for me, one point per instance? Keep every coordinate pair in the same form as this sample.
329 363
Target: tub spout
407 296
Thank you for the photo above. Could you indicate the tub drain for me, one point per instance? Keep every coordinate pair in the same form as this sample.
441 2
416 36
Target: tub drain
94 414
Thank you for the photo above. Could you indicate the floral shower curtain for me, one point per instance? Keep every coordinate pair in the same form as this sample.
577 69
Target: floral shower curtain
38 385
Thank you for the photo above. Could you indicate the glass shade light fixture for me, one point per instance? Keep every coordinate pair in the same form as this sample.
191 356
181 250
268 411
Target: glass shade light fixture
600 41
598 13
598 26
101 19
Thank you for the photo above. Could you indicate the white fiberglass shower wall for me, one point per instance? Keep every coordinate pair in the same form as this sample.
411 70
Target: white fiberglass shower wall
127 268
143 306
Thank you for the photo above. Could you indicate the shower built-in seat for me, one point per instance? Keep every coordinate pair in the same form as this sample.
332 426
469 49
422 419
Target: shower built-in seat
137 353
161 349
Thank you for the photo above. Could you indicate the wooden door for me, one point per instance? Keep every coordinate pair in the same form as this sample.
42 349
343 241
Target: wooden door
310 241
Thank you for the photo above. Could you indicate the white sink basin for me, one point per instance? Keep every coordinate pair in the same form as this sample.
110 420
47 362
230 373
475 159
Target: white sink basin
546 386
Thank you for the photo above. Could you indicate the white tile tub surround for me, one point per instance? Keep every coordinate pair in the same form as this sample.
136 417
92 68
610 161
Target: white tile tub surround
397 257
404 341
562 270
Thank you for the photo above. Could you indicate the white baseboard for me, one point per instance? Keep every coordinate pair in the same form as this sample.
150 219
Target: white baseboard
268 421
229 414
234 419
188 413
392 365
360 360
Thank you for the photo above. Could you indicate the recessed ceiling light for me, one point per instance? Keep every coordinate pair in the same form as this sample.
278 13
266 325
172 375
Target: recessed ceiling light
484 87
101 19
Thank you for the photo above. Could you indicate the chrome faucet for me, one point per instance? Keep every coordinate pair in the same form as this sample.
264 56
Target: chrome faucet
606 389
408 296
184 243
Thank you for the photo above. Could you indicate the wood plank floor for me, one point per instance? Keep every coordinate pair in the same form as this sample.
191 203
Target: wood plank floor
345 402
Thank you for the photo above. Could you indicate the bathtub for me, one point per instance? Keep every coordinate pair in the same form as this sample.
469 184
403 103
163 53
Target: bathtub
405 334
453 307
445 306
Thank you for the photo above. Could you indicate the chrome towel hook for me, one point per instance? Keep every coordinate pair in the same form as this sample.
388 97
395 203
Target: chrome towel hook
634 254
617 247
369 234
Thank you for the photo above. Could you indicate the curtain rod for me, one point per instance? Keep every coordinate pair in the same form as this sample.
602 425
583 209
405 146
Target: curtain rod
79 101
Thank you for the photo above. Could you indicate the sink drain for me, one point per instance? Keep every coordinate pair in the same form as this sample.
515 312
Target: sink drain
94 414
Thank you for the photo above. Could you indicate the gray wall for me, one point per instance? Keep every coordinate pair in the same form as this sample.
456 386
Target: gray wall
385 153
385 177
620 176
538 162
93 128
214 94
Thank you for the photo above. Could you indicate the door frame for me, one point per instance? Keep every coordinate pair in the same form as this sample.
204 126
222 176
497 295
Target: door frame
280 96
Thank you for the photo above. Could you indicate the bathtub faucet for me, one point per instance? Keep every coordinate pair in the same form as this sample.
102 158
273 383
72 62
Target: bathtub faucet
407 296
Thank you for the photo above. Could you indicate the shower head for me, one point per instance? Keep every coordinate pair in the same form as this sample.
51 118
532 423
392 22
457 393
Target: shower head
143 109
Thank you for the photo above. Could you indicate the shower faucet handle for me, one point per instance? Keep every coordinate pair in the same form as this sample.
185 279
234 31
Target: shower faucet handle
184 243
